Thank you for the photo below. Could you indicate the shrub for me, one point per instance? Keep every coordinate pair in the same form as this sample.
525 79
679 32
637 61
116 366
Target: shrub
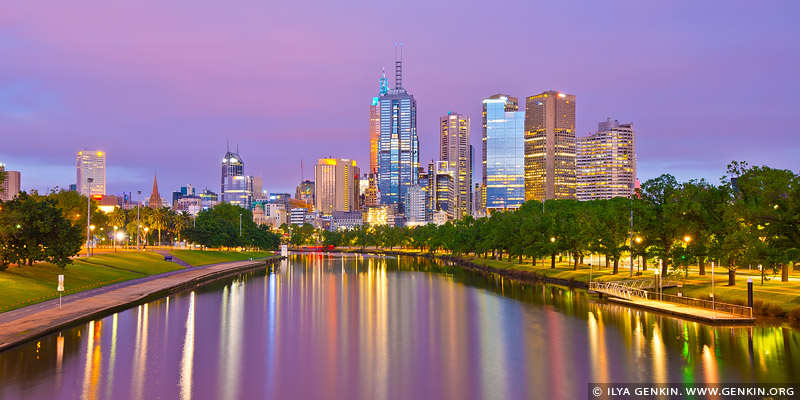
794 314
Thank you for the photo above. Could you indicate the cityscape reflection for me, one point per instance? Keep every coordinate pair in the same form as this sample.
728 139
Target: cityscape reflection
375 327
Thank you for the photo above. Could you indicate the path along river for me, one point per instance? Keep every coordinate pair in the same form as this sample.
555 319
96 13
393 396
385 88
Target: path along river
356 327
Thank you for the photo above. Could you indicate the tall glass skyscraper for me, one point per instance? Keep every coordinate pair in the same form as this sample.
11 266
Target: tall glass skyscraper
398 146
503 152
234 184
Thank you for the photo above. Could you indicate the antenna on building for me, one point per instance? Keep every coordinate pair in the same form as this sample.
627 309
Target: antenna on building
302 178
398 66
237 147
384 82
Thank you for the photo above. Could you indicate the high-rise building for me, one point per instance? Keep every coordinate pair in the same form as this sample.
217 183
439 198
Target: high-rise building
371 189
550 146
416 205
256 187
91 164
305 191
10 186
503 153
398 145
441 190
336 183
234 184
454 148
606 162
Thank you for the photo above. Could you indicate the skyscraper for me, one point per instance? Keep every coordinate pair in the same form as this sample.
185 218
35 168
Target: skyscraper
305 192
441 190
606 162
550 146
10 185
371 190
234 184
503 153
454 149
398 145
336 185
91 164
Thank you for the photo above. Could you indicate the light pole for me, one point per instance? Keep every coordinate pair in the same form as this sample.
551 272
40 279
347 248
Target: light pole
88 212
631 231
91 229
240 225
138 227
115 239
145 236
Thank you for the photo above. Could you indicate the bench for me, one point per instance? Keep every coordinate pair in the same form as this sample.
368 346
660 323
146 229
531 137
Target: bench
167 258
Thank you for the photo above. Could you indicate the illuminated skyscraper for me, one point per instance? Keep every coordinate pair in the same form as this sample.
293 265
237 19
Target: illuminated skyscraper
371 190
550 146
91 164
606 162
503 153
305 192
234 184
441 190
336 183
454 148
398 146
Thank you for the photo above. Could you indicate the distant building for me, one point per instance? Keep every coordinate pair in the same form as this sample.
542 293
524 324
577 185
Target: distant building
191 204
550 146
416 205
73 187
298 216
377 216
440 218
454 148
305 191
208 199
336 183
441 190
606 162
10 185
155 197
235 188
256 187
503 185
91 165
346 219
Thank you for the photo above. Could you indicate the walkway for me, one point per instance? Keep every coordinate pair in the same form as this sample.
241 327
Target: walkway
679 310
22 325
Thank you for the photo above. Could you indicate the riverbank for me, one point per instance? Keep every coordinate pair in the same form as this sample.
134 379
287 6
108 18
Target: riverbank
773 301
23 286
29 323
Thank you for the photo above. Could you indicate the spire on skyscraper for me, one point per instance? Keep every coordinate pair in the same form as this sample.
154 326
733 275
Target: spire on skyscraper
384 82
155 198
398 67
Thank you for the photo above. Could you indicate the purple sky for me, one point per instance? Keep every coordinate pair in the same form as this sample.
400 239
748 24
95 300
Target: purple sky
160 85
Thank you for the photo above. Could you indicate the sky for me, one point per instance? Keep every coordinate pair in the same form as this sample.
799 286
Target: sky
162 86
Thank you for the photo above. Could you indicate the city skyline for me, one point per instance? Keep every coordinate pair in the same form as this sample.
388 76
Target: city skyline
682 88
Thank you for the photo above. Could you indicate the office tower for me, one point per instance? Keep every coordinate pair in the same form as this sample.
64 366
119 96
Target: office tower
336 185
305 192
155 198
398 146
454 149
10 185
606 162
234 184
441 190
256 187
91 164
371 189
503 153
550 146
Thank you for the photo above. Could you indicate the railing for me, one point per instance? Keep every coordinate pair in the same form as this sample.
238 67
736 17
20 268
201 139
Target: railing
627 292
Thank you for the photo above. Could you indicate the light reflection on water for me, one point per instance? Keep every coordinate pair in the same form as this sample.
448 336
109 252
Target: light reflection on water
374 328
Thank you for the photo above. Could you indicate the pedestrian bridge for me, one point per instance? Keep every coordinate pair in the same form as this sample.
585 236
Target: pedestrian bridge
630 288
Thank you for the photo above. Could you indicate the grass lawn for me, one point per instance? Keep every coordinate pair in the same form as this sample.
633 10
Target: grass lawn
23 286
198 258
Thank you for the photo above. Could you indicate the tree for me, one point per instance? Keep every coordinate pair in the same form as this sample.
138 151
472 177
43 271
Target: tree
661 221
159 220
609 227
35 229
180 222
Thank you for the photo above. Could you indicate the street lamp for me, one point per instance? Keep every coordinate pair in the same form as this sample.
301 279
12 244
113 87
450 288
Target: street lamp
638 242
91 229
88 212
240 225
138 226
118 236
115 239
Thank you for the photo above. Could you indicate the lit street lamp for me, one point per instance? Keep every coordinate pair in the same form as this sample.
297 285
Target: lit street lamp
115 239
88 212
138 226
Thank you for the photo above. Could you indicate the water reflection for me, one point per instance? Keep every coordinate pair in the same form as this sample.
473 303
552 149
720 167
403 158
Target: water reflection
381 328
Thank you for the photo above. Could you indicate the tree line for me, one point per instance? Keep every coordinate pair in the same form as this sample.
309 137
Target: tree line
752 217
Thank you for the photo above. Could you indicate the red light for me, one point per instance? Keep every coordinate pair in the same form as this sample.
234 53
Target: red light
97 196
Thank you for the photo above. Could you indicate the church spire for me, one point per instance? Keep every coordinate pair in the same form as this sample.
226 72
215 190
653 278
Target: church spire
155 198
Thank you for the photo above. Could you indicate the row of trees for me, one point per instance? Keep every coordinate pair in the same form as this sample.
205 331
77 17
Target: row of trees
751 217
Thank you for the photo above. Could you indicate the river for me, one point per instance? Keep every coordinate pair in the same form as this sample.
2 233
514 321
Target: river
356 327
